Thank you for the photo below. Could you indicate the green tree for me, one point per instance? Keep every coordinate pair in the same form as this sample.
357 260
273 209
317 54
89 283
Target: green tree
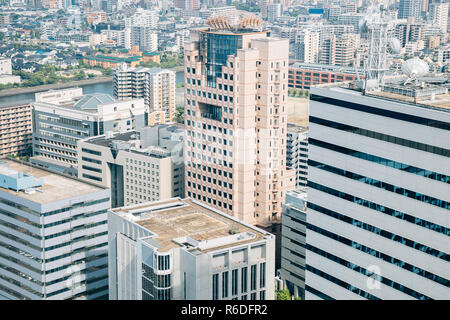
282 295
179 114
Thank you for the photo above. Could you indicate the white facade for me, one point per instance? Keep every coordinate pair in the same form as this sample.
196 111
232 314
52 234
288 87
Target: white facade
155 254
439 15
297 152
378 198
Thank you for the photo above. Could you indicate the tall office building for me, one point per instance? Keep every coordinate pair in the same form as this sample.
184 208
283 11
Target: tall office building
293 242
62 117
297 152
138 166
155 85
53 235
410 8
180 249
236 94
379 193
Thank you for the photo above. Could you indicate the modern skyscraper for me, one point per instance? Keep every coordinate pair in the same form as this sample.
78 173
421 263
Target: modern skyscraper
155 85
410 8
180 249
236 94
53 235
379 193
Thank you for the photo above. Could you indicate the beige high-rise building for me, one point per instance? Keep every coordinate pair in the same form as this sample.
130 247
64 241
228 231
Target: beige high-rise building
236 82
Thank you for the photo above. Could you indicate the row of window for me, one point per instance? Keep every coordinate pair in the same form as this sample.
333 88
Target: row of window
382 185
382 112
235 281
381 208
380 232
365 272
383 161
382 137
380 255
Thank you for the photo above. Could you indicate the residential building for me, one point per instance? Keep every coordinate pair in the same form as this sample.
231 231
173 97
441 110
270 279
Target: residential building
53 239
155 85
378 192
6 76
62 117
138 166
339 51
410 8
297 152
307 46
181 249
293 242
235 116
439 12
144 37
274 11
15 129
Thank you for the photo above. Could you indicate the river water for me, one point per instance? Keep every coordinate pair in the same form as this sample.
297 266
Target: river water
105 87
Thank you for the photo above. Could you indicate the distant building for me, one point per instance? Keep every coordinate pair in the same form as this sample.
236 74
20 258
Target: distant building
410 8
304 75
293 242
307 46
155 85
180 249
15 129
138 166
53 239
62 117
6 76
439 14
132 57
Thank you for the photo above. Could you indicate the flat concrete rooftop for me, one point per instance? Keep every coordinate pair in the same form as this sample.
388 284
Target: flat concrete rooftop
55 186
178 218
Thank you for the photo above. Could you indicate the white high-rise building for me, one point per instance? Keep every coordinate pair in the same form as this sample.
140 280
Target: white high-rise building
155 85
180 249
439 15
297 152
53 235
274 11
378 214
307 46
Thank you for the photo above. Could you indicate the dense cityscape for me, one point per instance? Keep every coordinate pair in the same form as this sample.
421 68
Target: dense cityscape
224 150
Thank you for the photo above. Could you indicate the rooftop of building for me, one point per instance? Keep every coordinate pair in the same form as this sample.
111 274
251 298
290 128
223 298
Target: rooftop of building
186 223
292 127
45 186
74 98
326 67
155 141
430 91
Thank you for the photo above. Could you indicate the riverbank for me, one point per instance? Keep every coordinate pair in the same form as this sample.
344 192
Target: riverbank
59 85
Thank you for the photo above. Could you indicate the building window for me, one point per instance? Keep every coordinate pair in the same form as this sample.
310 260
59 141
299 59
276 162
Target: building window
225 284
215 287
234 282
253 277
244 280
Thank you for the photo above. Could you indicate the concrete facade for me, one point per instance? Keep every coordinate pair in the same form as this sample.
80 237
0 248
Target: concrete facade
235 115
180 249
53 236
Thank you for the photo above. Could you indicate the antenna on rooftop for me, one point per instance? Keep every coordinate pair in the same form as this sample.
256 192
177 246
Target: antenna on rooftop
375 67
